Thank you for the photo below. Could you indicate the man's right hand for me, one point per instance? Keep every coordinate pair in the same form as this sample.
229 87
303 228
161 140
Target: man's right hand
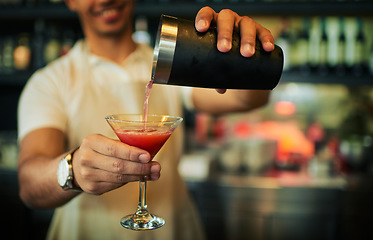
102 164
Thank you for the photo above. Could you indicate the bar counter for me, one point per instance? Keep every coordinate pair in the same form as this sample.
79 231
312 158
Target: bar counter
286 205
283 205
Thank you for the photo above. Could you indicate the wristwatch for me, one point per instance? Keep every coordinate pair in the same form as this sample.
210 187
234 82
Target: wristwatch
65 174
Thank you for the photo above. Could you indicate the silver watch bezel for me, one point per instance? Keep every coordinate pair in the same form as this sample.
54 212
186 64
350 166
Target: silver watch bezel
65 174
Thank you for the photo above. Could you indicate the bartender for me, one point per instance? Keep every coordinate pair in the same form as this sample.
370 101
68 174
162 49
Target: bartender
61 116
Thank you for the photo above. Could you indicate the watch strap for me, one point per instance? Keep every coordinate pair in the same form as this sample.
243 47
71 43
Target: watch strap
69 186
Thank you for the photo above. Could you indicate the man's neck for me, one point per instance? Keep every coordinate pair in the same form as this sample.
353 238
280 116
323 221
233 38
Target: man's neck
116 49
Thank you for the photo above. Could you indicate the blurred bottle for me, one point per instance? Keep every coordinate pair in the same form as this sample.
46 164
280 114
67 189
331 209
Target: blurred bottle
323 48
351 31
359 61
8 47
52 45
141 34
22 53
314 43
340 67
302 47
333 38
283 41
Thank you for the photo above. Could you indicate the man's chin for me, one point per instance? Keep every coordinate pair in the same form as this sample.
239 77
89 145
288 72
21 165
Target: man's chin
114 32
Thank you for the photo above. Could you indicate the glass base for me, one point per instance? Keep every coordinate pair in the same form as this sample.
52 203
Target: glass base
142 221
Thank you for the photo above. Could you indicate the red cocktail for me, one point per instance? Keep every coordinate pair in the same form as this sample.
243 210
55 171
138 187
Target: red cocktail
150 140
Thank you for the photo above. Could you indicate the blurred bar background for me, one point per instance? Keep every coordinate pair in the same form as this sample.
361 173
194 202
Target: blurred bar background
299 168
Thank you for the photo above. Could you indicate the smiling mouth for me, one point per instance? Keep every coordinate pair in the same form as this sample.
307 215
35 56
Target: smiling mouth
109 12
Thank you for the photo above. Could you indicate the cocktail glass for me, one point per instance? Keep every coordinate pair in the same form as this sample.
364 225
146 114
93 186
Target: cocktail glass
150 135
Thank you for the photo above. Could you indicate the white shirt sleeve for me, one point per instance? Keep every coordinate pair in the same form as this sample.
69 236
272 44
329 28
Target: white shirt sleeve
41 105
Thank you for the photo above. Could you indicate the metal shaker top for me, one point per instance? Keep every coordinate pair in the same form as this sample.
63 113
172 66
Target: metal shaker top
164 49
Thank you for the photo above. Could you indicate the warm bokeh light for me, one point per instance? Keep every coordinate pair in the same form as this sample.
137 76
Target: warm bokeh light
285 108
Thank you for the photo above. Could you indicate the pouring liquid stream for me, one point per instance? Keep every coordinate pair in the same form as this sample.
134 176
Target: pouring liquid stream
148 90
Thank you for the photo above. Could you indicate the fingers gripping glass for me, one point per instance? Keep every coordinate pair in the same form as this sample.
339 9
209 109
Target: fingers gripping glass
149 135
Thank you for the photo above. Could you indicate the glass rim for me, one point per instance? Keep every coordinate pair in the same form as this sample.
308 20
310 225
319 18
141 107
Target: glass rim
110 118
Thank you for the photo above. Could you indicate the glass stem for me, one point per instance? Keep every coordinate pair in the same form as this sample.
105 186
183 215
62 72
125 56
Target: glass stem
142 207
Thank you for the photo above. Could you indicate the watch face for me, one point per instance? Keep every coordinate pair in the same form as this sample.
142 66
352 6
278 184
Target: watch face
62 172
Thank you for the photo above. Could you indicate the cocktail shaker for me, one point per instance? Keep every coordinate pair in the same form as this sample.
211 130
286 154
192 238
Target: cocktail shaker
183 56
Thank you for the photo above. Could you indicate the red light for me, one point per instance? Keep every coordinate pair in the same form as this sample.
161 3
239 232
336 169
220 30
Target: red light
242 130
285 108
